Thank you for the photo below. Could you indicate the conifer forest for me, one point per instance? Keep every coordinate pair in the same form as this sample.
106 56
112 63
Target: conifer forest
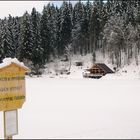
110 27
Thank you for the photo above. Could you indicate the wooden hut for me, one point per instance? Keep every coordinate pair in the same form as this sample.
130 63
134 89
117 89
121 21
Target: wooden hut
97 71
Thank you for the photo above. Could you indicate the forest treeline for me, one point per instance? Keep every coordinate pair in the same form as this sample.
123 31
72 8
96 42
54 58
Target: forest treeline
111 28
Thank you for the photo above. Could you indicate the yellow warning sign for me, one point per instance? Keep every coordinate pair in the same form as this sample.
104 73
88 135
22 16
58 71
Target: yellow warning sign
12 87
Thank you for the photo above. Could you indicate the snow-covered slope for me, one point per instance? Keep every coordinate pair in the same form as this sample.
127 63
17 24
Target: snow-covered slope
131 71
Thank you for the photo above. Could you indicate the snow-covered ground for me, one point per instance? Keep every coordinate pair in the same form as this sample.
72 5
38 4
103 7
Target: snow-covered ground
131 71
80 108
70 106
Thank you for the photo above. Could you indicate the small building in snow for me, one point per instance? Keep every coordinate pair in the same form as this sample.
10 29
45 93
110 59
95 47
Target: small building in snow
97 71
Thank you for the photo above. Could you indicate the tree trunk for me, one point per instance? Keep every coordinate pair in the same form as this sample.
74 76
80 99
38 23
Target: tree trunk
136 54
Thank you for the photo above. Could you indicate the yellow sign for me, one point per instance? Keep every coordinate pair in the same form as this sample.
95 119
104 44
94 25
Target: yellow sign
12 87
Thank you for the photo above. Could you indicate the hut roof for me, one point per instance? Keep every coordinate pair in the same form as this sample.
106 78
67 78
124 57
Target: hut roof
103 67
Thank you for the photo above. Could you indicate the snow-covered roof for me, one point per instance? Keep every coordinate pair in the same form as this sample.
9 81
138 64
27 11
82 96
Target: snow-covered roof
102 66
9 61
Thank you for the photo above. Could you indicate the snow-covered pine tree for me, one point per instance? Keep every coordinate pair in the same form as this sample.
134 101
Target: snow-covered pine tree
66 26
123 31
37 51
85 28
138 28
7 38
52 17
10 33
87 11
45 34
115 34
35 20
101 19
26 47
121 40
58 51
16 36
77 28
120 21
94 30
1 47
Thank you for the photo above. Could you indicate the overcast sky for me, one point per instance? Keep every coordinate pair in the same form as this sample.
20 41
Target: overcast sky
17 8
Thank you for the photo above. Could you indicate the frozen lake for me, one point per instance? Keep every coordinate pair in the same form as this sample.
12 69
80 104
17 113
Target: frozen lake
80 108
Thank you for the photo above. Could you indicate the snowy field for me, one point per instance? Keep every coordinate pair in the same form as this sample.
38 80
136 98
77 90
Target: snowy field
80 108
70 106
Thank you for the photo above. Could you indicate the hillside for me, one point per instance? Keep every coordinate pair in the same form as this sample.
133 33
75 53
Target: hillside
53 69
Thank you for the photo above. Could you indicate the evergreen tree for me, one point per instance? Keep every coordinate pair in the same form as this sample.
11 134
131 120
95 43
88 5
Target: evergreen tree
10 34
26 39
94 30
52 16
87 17
45 34
112 28
6 39
84 31
66 26
78 22
37 51
1 46
16 36
58 50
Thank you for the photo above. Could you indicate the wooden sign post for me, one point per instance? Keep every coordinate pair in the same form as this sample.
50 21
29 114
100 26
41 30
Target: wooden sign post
12 94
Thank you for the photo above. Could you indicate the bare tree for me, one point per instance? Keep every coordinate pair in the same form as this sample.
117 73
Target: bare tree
68 50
